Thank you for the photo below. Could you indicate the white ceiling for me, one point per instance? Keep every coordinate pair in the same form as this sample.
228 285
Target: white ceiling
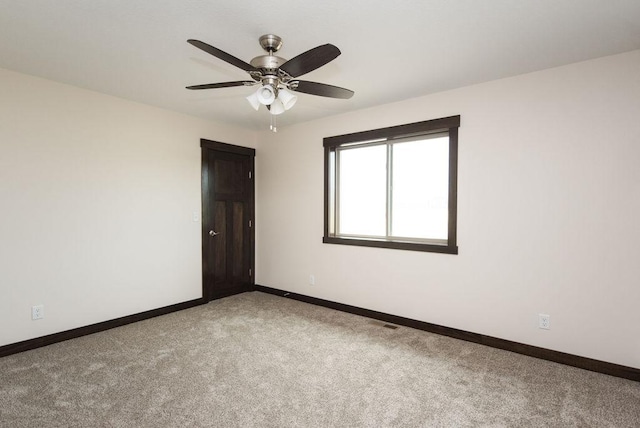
391 50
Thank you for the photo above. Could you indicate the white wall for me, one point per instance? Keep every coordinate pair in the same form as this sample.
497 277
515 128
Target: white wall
549 204
96 196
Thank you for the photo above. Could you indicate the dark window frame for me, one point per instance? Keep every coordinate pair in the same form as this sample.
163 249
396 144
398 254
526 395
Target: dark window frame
447 124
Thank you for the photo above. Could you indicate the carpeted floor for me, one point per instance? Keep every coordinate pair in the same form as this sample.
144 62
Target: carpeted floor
257 360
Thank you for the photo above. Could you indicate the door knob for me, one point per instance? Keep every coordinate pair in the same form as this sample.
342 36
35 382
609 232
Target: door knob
212 233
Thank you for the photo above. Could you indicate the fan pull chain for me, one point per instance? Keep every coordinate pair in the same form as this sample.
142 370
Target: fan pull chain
273 123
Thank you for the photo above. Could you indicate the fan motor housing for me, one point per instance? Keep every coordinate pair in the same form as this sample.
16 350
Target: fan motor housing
267 62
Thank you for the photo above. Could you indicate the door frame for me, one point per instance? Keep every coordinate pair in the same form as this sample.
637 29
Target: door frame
206 189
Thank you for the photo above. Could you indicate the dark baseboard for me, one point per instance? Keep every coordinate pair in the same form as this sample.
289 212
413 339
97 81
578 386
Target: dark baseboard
494 342
38 342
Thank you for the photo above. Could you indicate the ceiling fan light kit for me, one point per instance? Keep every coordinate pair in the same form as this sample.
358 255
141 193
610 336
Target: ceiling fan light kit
277 76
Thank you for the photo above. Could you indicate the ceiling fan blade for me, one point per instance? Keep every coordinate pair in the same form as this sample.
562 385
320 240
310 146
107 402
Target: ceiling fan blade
310 60
223 84
222 55
320 89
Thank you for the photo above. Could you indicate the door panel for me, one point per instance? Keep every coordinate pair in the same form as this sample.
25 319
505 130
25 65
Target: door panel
228 204
238 239
229 178
219 255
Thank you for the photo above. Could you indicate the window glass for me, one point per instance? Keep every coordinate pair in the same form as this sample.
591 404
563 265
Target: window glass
420 187
362 200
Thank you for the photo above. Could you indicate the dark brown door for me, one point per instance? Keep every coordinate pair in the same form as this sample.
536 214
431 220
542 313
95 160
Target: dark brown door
227 219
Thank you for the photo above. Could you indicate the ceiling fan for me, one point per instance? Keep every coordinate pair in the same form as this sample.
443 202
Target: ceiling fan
277 76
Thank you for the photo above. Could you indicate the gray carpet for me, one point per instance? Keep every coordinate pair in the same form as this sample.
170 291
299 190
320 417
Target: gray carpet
256 360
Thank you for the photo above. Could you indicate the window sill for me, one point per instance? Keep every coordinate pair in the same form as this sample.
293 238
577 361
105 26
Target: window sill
411 246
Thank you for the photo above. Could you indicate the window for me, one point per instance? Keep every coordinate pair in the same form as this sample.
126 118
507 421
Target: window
393 187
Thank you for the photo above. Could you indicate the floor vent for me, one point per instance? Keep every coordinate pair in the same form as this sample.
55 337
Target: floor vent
391 326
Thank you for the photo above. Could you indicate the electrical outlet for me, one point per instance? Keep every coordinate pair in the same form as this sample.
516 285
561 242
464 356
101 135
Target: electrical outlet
544 321
312 280
37 312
